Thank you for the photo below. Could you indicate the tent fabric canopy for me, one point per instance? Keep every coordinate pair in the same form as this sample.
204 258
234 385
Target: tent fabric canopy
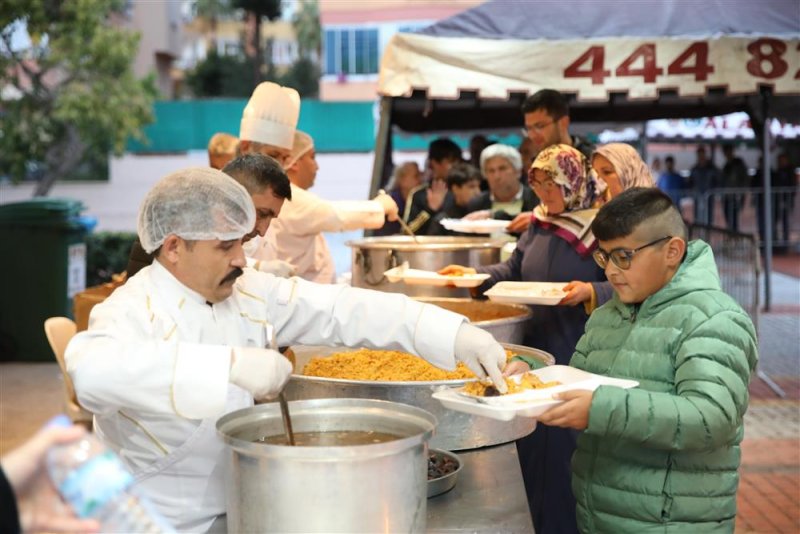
592 19
618 60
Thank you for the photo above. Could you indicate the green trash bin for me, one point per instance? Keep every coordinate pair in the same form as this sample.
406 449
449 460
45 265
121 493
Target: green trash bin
42 266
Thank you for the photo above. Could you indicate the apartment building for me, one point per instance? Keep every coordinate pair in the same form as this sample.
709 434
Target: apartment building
355 33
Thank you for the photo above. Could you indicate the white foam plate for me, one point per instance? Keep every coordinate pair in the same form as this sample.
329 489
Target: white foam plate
543 293
480 226
432 278
530 403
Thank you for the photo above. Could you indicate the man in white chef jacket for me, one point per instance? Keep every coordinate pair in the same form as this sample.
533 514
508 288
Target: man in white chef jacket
182 342
296 237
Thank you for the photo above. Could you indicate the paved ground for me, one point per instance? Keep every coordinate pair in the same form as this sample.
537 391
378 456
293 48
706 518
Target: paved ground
769 492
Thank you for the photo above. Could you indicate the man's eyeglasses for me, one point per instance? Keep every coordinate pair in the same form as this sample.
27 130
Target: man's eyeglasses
622 257
538 127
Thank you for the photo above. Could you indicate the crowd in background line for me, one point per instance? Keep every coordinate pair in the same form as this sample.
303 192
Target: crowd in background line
451 186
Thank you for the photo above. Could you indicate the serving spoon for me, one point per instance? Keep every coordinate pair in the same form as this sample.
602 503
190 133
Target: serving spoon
403 224
287 420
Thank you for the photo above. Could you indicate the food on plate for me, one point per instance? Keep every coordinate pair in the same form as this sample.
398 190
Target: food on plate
551 292
440 465
526 382
383 365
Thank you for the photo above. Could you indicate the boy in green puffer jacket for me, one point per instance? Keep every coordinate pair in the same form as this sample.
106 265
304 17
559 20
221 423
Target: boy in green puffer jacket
662 457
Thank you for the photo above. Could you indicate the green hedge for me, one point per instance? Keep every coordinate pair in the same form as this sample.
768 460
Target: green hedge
106 254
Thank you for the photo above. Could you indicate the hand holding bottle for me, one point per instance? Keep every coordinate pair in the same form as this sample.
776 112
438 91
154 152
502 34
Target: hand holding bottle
39 506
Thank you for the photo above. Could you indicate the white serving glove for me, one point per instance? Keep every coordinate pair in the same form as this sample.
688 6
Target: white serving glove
281 268
262 372
390 208
482 354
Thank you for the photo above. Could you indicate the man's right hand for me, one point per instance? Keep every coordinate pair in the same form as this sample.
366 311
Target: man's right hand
388 204
262 372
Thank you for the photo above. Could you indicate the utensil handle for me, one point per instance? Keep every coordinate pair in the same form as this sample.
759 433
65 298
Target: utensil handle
287 421
269 333
403 224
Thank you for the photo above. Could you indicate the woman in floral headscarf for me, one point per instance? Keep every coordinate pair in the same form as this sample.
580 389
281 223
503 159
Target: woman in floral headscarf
619 167
557 247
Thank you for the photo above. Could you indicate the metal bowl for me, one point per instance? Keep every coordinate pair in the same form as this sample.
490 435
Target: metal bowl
437 486
374 255
456 430
506 322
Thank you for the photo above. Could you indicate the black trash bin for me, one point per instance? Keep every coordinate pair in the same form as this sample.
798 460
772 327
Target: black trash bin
42 266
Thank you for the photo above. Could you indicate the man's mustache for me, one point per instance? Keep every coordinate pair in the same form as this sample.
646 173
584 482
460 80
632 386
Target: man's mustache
233 275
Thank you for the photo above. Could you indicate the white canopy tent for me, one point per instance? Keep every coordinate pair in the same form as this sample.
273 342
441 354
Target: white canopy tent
617 61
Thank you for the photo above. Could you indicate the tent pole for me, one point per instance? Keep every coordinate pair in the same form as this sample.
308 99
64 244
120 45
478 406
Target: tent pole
383 153
767 173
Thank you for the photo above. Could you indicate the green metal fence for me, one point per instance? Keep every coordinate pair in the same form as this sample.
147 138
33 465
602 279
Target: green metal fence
335 126
188 125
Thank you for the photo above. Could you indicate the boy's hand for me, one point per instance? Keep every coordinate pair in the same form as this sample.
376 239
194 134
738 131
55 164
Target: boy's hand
577 292
573 413
516 367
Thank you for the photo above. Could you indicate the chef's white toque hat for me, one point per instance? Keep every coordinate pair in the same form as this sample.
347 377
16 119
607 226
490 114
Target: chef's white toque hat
270 116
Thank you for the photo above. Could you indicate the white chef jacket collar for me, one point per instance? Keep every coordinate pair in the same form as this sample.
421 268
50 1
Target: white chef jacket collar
165 280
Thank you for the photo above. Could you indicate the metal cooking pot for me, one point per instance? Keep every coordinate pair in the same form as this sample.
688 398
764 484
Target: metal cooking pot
372 256
379 487
456 430
506 322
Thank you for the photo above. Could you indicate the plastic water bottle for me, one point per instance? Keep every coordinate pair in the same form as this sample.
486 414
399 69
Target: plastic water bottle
94 482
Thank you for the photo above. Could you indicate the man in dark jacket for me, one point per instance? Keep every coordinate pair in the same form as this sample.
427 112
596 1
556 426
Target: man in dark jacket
734 175
547 123
704 177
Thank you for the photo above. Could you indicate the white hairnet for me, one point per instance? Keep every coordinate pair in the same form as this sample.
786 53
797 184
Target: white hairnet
301 145
195 204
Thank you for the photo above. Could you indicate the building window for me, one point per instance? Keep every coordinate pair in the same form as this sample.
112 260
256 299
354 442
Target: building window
351 51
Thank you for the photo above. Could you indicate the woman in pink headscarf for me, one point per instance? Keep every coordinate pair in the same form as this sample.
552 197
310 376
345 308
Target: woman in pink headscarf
620 167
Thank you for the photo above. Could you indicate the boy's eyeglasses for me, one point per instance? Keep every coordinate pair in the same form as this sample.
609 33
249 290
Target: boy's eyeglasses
622 257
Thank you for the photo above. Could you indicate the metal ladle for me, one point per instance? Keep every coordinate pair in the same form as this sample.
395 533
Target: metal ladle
287 420
403 224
